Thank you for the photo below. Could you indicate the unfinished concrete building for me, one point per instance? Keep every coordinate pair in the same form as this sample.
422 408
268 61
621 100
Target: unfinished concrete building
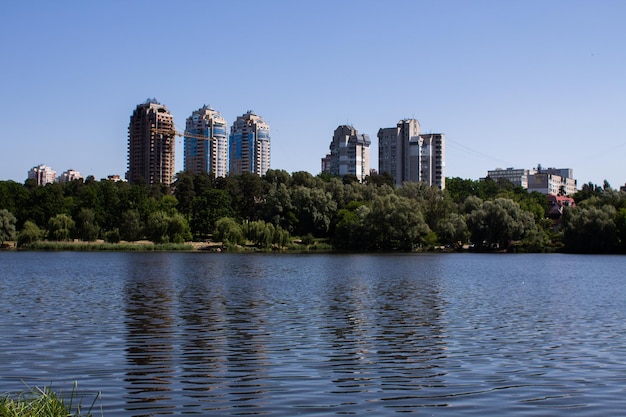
151 142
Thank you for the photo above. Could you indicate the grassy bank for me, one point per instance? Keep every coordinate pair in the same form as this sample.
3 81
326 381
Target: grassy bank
44 403
147 246
103 246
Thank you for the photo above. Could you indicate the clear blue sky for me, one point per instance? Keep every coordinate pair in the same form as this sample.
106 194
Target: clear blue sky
511 83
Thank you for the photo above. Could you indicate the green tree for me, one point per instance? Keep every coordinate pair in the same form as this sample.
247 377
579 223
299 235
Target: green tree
157 227
314 208
14 198
499 223
262 234
228 231
112 208
459 189
246 193
44 203
178 228
7 226
347 230
395 222
277 206
112 236
452 229
381 179
277 176
30 233
620 225
87 228
208 208
60 227
184 191
590 229
131 226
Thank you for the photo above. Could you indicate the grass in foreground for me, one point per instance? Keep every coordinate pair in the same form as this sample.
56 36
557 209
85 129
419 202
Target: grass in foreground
42 403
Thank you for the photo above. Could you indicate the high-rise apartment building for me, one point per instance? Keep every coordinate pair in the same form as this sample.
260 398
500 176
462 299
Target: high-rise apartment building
408 155
393 150
349 153
206 143
432 159
249 145
151 142
42 174
69 176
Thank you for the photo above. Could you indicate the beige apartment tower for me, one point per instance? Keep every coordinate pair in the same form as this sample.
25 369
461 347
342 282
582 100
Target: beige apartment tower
410 156
151 142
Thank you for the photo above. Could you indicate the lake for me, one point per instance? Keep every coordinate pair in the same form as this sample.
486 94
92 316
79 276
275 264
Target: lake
316 335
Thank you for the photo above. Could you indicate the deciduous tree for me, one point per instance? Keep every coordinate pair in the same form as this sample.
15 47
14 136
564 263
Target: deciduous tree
7 226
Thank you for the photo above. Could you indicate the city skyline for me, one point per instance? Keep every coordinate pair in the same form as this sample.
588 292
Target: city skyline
510 84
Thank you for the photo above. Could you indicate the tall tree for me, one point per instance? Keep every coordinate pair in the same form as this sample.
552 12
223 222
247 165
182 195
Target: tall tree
60 227
7 226
208 208
500 222
590 229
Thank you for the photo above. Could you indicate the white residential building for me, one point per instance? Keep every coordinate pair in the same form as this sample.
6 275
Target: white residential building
69 175
349 153
42 174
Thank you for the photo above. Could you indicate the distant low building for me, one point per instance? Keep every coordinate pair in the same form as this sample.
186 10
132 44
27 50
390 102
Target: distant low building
42 174
557 181
115 178
69 176
516 176
558 203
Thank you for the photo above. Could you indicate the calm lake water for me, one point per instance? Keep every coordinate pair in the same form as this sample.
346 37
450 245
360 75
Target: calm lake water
316 335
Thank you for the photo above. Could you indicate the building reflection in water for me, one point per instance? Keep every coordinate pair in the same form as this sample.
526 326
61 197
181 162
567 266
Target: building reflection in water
386 335
150 324
195 337
226 334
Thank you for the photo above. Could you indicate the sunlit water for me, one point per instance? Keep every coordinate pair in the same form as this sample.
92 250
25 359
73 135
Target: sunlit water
285 335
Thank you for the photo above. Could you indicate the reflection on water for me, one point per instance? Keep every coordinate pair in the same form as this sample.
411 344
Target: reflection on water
150 320
227 334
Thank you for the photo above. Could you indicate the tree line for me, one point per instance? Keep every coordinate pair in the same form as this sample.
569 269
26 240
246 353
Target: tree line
273 210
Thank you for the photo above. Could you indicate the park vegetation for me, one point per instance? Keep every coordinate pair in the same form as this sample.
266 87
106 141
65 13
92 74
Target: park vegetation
280 210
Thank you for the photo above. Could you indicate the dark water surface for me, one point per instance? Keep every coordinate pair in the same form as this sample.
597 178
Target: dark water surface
285 335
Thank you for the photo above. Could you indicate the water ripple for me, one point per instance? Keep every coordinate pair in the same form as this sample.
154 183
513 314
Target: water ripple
224 334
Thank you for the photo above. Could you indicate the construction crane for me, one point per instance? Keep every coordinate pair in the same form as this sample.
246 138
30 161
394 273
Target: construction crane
174 132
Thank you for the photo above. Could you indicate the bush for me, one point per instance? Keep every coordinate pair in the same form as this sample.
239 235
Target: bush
112 236
30 234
